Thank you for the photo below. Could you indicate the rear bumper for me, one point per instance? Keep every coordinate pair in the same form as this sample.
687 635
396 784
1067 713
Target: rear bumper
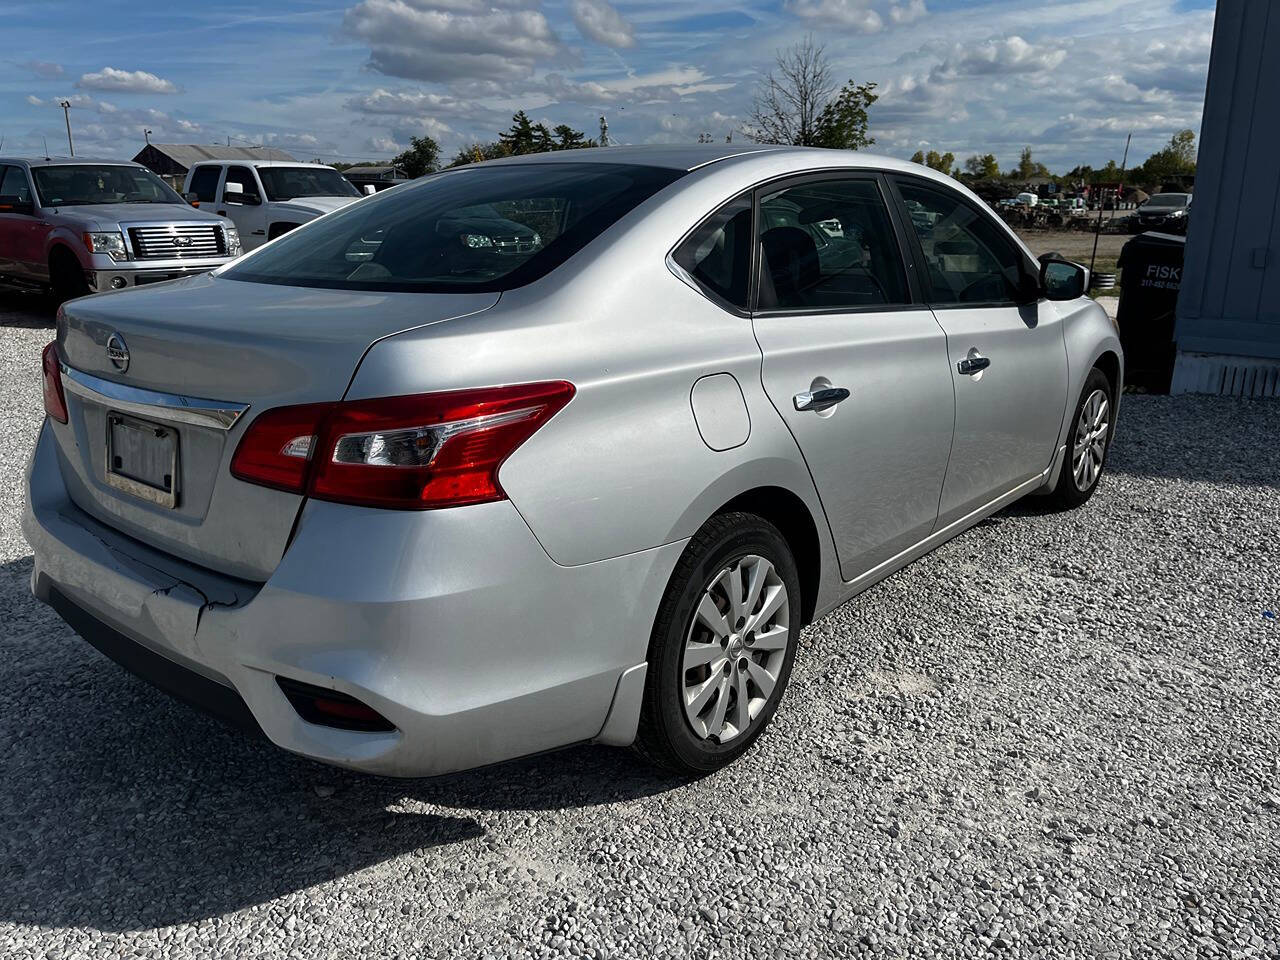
453 624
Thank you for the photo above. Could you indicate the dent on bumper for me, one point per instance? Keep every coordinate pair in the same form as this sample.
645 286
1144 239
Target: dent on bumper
453 624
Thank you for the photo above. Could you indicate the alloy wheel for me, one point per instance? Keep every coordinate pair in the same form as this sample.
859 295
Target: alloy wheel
1091 440
735 648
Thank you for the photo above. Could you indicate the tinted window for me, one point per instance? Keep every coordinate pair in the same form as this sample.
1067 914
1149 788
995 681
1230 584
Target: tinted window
472 229
718 253
79 184
829 245
289 183
244 177
968 257
204 183
13 184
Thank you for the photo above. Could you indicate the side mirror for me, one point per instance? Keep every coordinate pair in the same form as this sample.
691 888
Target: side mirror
14 205
192 198
1062 280
235 193
370 189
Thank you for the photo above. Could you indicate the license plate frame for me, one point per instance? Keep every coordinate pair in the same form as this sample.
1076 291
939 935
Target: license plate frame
142 459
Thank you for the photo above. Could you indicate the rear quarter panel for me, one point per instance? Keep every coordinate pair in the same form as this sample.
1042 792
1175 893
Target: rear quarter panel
623 467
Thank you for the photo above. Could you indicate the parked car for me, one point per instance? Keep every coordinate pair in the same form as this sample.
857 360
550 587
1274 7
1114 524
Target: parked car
268 198
1164 211
448 504
80 226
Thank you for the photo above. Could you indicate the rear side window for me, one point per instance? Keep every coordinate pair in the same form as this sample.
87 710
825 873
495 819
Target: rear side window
969 258
478 229
829 245
204 183
717 255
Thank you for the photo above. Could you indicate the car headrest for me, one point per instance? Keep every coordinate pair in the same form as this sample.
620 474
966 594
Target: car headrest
792 260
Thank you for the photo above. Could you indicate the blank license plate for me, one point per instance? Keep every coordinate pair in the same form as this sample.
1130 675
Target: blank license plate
142 459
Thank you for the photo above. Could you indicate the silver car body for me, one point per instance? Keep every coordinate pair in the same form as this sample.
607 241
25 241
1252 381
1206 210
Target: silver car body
491 631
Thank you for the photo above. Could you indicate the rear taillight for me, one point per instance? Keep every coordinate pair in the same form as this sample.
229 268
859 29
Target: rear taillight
417 453
55 401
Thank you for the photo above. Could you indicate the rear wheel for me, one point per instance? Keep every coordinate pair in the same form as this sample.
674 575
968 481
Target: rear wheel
1087 443
722 646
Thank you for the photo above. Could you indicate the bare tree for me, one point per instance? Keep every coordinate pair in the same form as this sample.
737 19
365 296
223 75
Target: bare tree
789 102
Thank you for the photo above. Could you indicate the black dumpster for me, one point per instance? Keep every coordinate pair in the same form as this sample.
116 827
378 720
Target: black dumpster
1151 265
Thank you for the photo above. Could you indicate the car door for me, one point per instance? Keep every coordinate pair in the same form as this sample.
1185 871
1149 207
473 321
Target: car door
22 228
1007 354
250 218
853 361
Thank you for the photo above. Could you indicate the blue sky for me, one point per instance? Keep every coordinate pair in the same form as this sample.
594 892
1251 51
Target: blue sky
355 79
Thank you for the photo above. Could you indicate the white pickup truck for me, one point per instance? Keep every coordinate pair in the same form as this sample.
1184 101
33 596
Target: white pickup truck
267 198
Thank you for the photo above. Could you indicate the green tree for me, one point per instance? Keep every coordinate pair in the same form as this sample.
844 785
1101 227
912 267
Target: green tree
567 138
422 157
842 125
476 152
985 167
1177 159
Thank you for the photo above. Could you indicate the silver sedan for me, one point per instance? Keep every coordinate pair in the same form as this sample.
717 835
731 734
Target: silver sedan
554 449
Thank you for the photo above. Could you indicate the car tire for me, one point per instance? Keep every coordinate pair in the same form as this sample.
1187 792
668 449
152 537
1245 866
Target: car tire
1088 442
719 662
66 278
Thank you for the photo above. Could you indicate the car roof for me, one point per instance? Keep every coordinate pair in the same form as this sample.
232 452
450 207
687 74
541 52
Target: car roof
248 162
68 161
693 156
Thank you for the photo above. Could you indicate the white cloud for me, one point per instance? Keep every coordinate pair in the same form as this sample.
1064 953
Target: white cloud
859 15
1003 57
907 12
405 103
444 40
636 88
125 81
34 100
597 20
44 69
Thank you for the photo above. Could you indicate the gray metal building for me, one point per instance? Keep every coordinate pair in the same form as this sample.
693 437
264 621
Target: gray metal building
173 160
1228 318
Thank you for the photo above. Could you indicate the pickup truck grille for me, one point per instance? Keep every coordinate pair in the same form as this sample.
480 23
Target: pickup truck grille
177 241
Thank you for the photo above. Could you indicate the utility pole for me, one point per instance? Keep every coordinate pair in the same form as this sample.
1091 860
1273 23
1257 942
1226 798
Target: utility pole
66 115
146 135
1124 162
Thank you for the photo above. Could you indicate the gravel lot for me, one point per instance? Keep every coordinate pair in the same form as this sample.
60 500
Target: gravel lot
1053 737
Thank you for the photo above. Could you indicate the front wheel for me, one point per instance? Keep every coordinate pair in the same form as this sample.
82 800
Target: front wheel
1087 443
722 646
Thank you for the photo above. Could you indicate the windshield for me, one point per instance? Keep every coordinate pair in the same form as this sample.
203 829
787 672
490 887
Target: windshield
476 229
289 183
75 184
1168 200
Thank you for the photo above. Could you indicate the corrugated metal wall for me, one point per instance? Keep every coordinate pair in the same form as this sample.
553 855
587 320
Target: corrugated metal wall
1230 298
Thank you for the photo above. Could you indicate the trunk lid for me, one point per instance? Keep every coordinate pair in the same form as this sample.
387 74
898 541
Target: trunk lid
239 345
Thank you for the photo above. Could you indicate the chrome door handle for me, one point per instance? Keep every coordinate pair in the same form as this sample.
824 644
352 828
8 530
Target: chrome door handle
818 400
971 365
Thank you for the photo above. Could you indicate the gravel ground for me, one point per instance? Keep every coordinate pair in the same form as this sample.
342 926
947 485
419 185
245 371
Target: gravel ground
1053 737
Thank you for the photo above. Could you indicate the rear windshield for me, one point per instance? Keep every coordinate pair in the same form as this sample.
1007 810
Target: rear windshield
478 229
1168 200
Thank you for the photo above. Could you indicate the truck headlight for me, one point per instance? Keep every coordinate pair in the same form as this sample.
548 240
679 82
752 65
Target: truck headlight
111 244
232 237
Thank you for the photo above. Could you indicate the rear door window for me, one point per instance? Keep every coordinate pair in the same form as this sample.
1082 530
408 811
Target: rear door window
204 183
13 185
244 177
829 245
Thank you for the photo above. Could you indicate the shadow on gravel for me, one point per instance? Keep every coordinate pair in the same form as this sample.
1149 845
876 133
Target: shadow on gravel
26 310
1208 439
121 809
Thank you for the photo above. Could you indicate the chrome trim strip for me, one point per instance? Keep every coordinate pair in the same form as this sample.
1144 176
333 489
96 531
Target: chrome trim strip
170 407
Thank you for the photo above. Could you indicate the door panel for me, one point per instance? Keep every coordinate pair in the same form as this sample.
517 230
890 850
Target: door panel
1006 352
878 458
1009 414
835 310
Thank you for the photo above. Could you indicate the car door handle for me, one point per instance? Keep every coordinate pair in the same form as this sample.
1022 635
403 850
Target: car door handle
971 365
818 400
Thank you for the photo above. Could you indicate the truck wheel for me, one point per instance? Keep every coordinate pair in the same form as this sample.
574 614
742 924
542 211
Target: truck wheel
66 277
